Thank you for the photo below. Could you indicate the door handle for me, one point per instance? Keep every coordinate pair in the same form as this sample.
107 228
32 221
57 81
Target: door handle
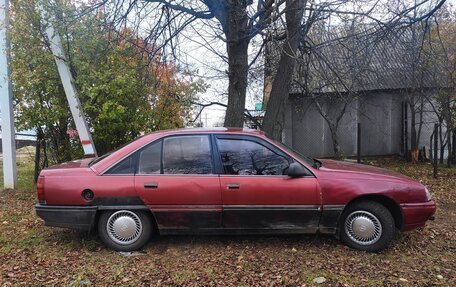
233 185
150 185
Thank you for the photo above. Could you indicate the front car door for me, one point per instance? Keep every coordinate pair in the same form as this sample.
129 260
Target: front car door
175 179
256 192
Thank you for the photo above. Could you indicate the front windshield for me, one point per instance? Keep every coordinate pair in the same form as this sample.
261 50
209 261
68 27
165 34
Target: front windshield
307 159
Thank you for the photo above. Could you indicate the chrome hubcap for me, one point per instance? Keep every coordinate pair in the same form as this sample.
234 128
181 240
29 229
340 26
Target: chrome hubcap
124 227
363 227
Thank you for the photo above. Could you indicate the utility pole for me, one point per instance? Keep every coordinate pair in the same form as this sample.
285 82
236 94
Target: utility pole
70 90
6 102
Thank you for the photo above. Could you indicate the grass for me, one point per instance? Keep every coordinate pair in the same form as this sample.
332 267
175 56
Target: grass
34 255
25 169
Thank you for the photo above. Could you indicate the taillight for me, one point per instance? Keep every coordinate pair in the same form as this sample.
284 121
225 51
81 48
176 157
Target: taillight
40 189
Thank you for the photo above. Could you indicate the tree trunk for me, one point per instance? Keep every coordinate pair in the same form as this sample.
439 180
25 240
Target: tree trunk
39 139
237 87
454 146
413 143
238 39
65 148
275 112
442 145
450 143
45 157
335 141
414 150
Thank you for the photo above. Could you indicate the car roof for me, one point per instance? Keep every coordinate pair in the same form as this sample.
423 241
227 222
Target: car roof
209 130
102 165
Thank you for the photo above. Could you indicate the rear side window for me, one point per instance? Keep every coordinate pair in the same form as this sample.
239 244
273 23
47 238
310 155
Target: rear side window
187 155
150 158
244 157
126 166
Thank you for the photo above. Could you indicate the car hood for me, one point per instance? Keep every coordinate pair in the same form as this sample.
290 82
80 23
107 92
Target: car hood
362 169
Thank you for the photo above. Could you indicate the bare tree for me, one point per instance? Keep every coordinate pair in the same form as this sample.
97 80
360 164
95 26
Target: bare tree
273 119
439 60
237 22
332 75
405 16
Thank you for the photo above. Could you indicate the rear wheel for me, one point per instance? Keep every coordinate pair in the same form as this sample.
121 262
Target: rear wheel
124 230
367 226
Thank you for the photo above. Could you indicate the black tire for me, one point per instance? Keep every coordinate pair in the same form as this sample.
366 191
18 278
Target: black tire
363 217
142 229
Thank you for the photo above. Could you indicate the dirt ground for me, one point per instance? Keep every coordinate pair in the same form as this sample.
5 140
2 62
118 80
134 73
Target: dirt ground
34 255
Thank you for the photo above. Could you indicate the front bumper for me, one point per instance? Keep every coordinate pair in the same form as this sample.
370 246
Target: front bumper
416 214
77 217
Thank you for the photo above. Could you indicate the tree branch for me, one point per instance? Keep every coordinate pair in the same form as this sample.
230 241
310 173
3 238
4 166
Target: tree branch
198 14
246 112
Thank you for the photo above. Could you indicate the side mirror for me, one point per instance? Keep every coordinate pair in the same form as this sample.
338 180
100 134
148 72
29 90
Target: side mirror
296 170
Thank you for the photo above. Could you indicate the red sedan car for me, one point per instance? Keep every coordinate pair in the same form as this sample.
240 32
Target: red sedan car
227 181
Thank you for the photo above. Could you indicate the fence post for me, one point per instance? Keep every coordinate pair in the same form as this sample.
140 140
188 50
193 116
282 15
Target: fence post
454 146
402 129
359 143
406 133
450 155
435 157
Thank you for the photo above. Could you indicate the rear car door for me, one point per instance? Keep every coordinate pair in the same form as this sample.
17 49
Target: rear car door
257 193
175 179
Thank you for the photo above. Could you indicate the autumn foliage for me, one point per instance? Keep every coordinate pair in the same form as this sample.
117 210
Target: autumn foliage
125 85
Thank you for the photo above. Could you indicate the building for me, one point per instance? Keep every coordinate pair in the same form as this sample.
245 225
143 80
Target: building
370 79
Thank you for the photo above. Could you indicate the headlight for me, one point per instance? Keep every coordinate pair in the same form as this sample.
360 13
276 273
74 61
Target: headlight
428 194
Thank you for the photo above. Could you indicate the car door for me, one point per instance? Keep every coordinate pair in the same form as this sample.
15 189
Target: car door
175 179
256 193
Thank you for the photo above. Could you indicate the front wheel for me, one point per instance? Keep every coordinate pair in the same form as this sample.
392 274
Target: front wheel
367 226
124 230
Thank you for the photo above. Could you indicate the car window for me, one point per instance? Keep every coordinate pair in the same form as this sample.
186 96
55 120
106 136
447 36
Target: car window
126 166
150 158
187 155
244 157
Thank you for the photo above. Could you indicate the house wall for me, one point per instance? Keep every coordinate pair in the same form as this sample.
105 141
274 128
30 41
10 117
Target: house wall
309 132
380 116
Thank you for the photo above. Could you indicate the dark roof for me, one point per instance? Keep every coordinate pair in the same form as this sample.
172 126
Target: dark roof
366 59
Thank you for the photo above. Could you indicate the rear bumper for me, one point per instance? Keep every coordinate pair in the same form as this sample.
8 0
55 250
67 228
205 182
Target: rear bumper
77 217
416 214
